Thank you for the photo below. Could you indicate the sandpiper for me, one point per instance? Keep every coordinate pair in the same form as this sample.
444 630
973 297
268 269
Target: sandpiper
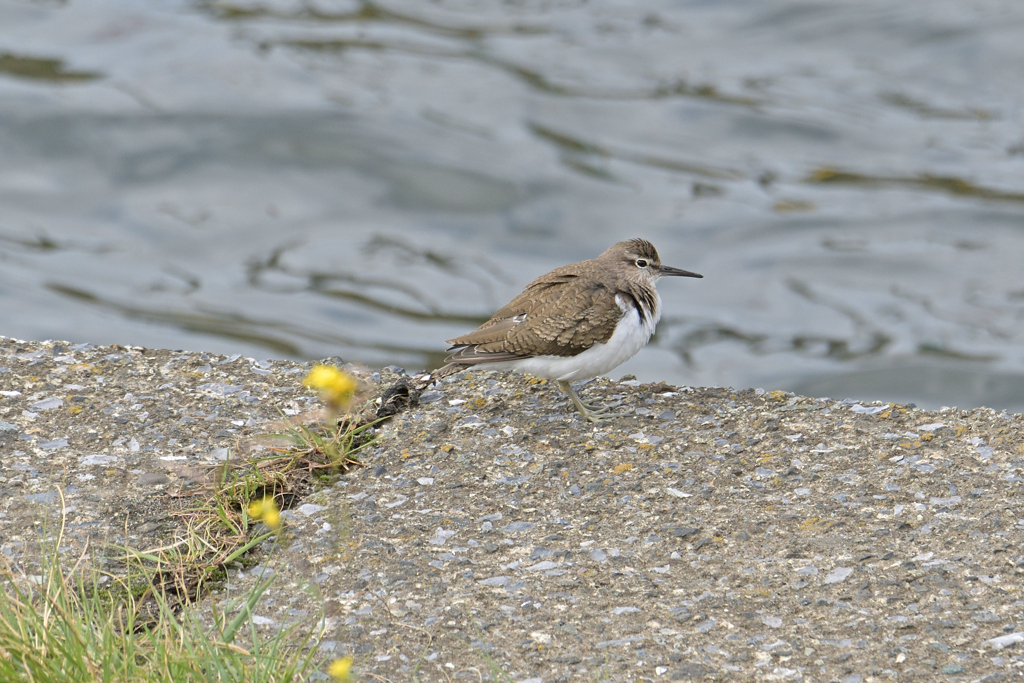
577 322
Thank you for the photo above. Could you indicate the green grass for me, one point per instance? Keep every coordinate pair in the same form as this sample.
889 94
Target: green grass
139 623
67 625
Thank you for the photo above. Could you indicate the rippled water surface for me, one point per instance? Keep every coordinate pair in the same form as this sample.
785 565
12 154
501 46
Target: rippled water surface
306 179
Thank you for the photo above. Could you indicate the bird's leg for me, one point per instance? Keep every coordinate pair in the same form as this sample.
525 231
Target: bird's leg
592 411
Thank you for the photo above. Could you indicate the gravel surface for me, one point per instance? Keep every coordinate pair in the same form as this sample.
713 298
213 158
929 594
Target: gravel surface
712 533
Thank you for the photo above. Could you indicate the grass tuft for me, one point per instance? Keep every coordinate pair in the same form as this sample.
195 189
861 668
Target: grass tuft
132 620
67 625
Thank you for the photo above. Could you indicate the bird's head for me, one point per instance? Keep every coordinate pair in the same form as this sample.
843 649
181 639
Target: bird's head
638 260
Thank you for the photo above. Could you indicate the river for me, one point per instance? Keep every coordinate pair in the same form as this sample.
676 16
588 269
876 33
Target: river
367 179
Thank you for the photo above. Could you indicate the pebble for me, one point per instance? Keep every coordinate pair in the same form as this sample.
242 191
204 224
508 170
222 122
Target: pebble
153 479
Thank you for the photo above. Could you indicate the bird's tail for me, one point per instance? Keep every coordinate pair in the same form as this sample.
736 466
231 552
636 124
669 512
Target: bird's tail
446 371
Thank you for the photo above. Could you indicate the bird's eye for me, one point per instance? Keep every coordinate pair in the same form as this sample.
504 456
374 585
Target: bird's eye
641 263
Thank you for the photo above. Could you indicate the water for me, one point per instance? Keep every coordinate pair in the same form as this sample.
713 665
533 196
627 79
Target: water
309 179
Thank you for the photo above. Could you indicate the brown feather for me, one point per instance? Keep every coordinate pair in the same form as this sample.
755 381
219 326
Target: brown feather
566 312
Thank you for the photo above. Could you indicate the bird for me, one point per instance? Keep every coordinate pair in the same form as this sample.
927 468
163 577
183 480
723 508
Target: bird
576 322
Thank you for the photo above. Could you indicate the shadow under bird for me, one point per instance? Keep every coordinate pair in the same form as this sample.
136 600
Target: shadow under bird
577 322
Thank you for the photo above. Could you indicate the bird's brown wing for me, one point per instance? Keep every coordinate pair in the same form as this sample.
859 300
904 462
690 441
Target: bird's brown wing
558 314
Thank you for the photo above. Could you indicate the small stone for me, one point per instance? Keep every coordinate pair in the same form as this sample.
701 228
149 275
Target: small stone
47 497
441 536
681 531
494 581
838 575
542 566
98 459
153 479
952 669
47 404
706 626
1009 639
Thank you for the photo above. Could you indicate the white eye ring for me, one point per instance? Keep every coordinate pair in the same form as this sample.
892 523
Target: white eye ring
641 263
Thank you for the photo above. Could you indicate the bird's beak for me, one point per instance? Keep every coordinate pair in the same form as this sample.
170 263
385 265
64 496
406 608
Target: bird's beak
669 270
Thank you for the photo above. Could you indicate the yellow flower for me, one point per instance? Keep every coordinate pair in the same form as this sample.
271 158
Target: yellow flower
266 510
341 669
336 388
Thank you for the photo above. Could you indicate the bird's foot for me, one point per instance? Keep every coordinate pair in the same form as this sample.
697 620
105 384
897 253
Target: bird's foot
594 412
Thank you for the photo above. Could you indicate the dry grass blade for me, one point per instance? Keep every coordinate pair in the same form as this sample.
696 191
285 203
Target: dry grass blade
217 532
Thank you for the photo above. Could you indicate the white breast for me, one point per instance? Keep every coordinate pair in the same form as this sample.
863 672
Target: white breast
631 334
